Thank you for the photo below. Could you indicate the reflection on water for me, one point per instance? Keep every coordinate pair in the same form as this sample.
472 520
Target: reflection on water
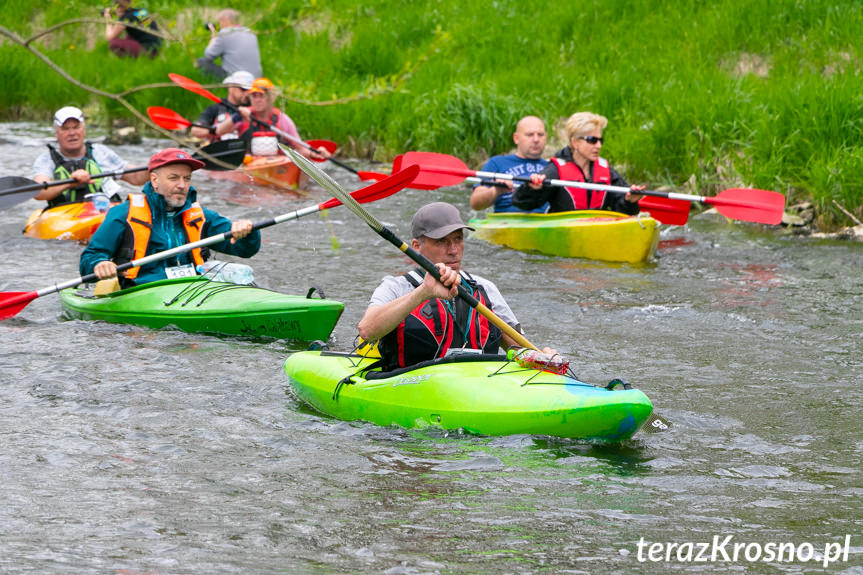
129 450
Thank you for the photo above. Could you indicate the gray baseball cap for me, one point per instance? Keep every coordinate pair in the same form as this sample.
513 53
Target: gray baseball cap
437 220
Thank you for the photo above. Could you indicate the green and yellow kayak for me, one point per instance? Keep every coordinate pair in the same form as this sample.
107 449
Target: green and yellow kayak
198 304
483 394
591 234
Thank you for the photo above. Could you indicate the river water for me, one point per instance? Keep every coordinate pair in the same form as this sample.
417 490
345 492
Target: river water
128 450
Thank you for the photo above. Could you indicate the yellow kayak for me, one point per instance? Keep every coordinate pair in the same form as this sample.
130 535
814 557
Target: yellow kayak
77 221
592 234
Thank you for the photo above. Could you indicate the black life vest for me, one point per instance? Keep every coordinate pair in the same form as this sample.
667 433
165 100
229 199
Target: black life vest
430 330
63 169
584 199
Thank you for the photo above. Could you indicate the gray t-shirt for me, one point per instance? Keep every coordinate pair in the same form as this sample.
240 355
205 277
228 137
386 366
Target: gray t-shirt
107 159
238 47
392 288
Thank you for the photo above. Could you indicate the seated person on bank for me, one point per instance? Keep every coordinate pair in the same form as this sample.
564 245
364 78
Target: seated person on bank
416 318
135 41
580 162
75 158
165 215
235 45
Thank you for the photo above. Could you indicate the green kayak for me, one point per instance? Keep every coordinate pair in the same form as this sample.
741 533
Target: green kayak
197 304
484 394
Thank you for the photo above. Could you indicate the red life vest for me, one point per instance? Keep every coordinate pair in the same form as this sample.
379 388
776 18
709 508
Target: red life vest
430 330
247 129
140 222
584 199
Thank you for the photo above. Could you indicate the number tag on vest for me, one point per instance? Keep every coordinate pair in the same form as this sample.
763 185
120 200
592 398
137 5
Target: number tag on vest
185 271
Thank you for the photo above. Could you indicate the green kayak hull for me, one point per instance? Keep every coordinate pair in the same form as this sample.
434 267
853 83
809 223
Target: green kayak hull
591 234
196 304
490 397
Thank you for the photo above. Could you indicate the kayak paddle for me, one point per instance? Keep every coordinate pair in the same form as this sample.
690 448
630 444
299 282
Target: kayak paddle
170 120
334 188
195 87
748 204
13 302
222 155
653 423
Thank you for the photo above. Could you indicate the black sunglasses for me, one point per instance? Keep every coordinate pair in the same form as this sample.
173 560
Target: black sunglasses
591 139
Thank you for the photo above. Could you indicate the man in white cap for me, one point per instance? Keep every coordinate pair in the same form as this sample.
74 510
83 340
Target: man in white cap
417 318
78 159
239 84
164 216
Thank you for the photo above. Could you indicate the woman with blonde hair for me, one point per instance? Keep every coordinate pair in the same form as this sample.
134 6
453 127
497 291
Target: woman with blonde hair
579 161
261 111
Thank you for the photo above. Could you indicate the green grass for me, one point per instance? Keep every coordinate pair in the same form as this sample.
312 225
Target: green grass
720 92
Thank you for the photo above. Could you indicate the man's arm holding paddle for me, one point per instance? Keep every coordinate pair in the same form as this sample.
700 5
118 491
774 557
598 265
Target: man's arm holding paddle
381 319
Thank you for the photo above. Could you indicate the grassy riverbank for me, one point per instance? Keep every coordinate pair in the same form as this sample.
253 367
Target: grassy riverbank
709 94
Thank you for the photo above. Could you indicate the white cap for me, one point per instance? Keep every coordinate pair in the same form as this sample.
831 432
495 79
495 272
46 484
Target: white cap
66 113
240 78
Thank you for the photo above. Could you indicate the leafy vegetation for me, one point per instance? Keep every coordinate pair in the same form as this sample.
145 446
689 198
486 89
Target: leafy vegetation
707 94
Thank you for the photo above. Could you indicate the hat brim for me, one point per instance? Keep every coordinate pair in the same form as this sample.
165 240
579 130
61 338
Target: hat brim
444 231
191 162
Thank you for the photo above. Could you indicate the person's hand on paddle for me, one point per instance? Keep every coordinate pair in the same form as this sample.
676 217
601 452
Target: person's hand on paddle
240 229
633 197
105 269
81 176
536 181
321 153
447 287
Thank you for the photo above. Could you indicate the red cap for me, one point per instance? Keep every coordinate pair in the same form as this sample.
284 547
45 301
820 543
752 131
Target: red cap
173 156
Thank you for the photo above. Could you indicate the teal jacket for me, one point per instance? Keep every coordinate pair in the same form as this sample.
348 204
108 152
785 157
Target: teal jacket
167 232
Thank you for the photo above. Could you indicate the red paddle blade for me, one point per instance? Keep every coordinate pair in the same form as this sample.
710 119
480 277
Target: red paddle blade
436 170
665 210
751 205
193 86
11 302
167 118
378 190
371 176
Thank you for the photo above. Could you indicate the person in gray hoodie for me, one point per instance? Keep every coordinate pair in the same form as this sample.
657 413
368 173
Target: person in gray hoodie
236 45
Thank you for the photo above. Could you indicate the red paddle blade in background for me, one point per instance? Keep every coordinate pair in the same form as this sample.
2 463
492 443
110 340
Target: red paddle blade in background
431 166
167 118
749 204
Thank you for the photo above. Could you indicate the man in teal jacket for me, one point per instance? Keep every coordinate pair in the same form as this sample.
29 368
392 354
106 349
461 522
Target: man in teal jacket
165 215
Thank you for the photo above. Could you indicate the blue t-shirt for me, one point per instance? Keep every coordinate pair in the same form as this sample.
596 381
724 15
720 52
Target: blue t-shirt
513 166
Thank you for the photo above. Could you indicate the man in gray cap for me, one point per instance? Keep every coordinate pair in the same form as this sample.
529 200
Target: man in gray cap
78 159
239 84
416 318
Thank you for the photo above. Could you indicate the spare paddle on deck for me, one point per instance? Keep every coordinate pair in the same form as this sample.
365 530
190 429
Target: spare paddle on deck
195 87
223 155
748 204
13 302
